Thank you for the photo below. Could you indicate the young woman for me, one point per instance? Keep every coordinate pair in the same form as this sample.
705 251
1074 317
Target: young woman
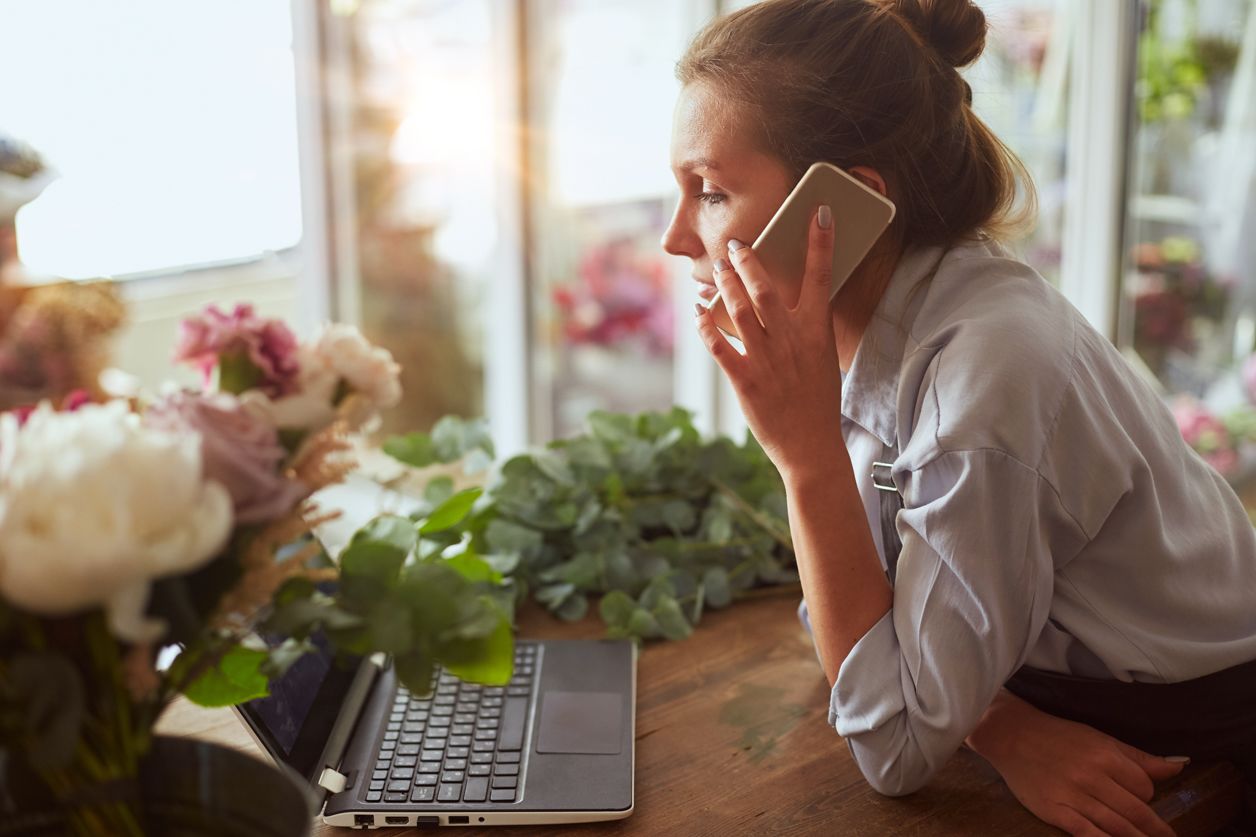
1043 571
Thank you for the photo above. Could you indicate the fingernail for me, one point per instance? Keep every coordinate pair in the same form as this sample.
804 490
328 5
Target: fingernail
825 217
721 264
1178 759
734 245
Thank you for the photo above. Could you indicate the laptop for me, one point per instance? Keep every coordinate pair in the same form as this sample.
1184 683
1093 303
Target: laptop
555 745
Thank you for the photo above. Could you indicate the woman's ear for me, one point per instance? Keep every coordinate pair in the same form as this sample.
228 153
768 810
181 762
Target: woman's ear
871 178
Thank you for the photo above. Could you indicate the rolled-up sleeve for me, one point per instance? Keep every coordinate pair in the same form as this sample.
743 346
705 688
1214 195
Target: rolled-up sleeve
972 592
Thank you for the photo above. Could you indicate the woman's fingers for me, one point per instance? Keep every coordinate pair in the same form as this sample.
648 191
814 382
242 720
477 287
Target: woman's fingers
817 279
1066 818
759 288
740 309
729 359
1104 818
1132 809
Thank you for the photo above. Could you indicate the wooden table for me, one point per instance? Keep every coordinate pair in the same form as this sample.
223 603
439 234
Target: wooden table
732 738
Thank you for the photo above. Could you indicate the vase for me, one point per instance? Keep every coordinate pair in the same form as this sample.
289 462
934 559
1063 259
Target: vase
185 788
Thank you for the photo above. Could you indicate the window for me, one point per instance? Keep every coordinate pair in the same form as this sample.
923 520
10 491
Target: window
172 127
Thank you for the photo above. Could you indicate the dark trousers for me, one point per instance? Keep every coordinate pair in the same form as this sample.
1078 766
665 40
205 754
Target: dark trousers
1209 718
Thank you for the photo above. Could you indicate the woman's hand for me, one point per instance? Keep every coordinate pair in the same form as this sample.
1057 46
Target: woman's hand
788 382
1071 775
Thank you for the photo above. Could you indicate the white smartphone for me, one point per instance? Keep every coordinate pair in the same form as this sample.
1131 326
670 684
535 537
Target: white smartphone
860 216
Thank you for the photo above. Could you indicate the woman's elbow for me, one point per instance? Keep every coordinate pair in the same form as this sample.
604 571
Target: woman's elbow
900 775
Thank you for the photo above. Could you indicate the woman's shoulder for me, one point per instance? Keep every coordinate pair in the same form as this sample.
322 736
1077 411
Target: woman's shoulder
992 354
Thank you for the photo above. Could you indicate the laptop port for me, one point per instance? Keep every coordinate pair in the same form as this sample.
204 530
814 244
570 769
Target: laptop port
427 822
459 820
397 820
363 819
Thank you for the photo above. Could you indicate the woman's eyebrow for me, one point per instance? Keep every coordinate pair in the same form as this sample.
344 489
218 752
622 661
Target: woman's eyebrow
699 163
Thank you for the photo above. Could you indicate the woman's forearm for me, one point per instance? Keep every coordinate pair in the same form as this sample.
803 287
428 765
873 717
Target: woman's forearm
998 725
842 578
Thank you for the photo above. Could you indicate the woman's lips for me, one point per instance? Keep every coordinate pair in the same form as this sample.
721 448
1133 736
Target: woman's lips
706 288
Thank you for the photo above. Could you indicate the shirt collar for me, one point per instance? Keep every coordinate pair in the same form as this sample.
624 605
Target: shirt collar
870 388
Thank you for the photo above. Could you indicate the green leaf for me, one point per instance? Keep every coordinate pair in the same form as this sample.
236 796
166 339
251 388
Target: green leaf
477 461
643 624
454 438
488 659
658 589
414 670
716 588
473 568
438 490
451 512
236 677
718 525
414 449
391 627
671 621
394 530
368 568
506 536
574 609
616 608
679 515
582 571
300 617
553 595
503 563
610 427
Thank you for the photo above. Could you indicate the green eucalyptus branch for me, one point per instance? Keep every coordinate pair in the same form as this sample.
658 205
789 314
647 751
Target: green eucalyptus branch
639 509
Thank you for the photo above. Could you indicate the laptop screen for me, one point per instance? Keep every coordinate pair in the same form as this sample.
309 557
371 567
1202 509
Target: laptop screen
295 720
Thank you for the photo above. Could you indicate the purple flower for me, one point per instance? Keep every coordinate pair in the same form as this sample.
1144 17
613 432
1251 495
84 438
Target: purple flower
268 345
238 449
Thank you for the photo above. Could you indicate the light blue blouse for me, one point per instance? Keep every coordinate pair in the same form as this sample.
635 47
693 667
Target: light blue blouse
1053 516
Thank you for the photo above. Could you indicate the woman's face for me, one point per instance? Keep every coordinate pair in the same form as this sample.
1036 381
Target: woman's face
728 189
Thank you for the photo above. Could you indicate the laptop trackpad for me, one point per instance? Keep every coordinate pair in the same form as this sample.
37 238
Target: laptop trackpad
581 722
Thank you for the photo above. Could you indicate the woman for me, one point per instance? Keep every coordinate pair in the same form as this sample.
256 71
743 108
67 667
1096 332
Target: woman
1060 583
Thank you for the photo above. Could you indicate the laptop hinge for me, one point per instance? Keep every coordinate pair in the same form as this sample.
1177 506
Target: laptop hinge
333 780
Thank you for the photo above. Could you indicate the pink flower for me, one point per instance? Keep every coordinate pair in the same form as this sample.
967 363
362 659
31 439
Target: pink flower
238 449
1205 433
1249 377
268 344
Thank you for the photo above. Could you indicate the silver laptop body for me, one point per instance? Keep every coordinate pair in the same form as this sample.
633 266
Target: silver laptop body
556 745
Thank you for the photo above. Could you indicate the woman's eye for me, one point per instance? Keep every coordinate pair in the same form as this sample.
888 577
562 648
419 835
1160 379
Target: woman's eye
711 197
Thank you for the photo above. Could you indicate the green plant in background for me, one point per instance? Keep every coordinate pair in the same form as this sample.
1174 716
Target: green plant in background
1172 76
639 509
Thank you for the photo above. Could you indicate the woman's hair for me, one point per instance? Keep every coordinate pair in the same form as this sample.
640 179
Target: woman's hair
872 83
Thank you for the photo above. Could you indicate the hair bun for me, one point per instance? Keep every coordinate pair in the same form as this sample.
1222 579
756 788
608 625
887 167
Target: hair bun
955 29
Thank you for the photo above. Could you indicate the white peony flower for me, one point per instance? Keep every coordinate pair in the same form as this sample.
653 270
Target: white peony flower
338 354
367 369
94 506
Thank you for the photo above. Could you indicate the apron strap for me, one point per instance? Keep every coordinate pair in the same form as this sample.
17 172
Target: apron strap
891 504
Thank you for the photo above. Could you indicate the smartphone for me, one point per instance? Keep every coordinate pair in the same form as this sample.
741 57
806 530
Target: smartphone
860 216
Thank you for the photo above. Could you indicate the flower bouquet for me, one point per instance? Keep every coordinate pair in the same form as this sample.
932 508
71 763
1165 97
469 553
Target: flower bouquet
622 298
185 522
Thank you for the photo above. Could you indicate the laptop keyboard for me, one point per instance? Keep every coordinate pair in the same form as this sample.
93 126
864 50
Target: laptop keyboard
462 743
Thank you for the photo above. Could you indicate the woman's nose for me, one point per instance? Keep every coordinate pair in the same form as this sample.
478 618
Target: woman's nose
678 239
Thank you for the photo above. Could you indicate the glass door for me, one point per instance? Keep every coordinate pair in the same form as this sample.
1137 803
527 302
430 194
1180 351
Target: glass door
1188 301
